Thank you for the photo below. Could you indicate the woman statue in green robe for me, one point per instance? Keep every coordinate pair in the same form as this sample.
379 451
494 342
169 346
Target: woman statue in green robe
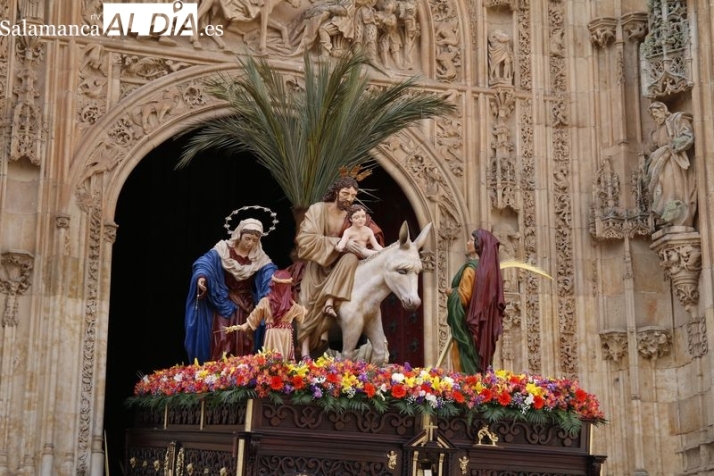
476 305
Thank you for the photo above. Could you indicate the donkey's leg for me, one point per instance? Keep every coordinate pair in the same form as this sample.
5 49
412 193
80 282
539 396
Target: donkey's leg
375 333
351 332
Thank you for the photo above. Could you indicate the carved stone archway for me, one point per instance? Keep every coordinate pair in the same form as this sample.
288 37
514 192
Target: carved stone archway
114 146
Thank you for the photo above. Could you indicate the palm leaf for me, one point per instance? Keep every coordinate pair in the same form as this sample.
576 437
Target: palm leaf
304 136
516 263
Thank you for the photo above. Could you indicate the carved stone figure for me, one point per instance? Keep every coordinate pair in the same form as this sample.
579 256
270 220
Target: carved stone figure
390 40
670 176
366 29
321 23
407 13
500 58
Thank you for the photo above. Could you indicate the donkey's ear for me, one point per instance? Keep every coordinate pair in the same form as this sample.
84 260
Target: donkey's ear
404 236
421 239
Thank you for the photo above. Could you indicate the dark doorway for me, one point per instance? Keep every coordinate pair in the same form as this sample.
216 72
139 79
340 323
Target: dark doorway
167 218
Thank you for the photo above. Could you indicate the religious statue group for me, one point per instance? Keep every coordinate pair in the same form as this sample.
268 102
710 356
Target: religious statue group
239 302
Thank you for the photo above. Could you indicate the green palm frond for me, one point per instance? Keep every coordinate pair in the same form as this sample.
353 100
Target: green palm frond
304 136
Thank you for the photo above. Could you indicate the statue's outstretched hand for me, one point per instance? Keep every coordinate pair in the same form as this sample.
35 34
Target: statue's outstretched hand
355 248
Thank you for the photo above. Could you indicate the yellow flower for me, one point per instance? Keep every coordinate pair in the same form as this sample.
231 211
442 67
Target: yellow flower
300 370
502 374
349 381
535 389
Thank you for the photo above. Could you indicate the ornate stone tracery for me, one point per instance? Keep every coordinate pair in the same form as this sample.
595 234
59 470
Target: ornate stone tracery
15 279
665 53
26 138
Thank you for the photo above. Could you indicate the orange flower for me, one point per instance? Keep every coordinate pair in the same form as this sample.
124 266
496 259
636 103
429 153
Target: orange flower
504 398
458 397
369 389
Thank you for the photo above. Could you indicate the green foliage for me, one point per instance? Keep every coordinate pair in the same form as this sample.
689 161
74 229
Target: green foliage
304 136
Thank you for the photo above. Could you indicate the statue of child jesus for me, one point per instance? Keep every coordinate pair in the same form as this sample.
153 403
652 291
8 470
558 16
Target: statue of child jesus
358 232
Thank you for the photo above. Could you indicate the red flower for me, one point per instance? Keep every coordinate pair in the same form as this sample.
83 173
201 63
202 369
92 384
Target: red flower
399 391
581 395
486 394
276 383
370 389
538 402
298 382
333 378
458 397
504 398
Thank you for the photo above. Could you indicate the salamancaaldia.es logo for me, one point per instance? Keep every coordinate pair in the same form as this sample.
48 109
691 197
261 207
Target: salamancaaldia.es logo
124 19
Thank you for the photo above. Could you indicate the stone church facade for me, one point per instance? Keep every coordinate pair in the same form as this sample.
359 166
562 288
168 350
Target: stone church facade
555 146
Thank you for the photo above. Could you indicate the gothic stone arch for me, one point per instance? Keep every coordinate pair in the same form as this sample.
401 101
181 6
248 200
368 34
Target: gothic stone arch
116 143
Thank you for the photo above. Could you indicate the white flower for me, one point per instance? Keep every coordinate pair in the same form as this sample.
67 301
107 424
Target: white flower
178 377
397 377
431 398
211 379
529 399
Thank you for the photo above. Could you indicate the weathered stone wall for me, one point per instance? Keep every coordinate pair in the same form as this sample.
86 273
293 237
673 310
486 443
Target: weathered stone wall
549 149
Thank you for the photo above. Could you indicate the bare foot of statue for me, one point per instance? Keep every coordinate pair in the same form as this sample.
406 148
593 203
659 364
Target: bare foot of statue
329 310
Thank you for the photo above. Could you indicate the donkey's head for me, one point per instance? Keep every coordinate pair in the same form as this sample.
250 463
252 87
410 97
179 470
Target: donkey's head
402 269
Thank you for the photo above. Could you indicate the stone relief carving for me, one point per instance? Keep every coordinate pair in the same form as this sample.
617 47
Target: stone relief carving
15 279
680 255
511 319
524 45
503 182
449 135
27 129
92 87
653 342
89 330
614 345
603 31
528 220
500 59
562 194
509 249
697 343
634 26
31 10
136 124
447 39
665 53
671 179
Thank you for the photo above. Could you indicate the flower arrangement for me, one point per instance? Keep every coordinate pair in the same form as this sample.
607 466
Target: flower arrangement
343 384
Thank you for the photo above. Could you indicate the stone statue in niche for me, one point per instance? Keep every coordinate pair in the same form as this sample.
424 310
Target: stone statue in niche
671 181
500 58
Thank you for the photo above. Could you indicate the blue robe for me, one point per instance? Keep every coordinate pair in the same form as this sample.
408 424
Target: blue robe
199 312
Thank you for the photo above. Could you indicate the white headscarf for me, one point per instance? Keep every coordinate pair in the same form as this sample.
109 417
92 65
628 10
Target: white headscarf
257 256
